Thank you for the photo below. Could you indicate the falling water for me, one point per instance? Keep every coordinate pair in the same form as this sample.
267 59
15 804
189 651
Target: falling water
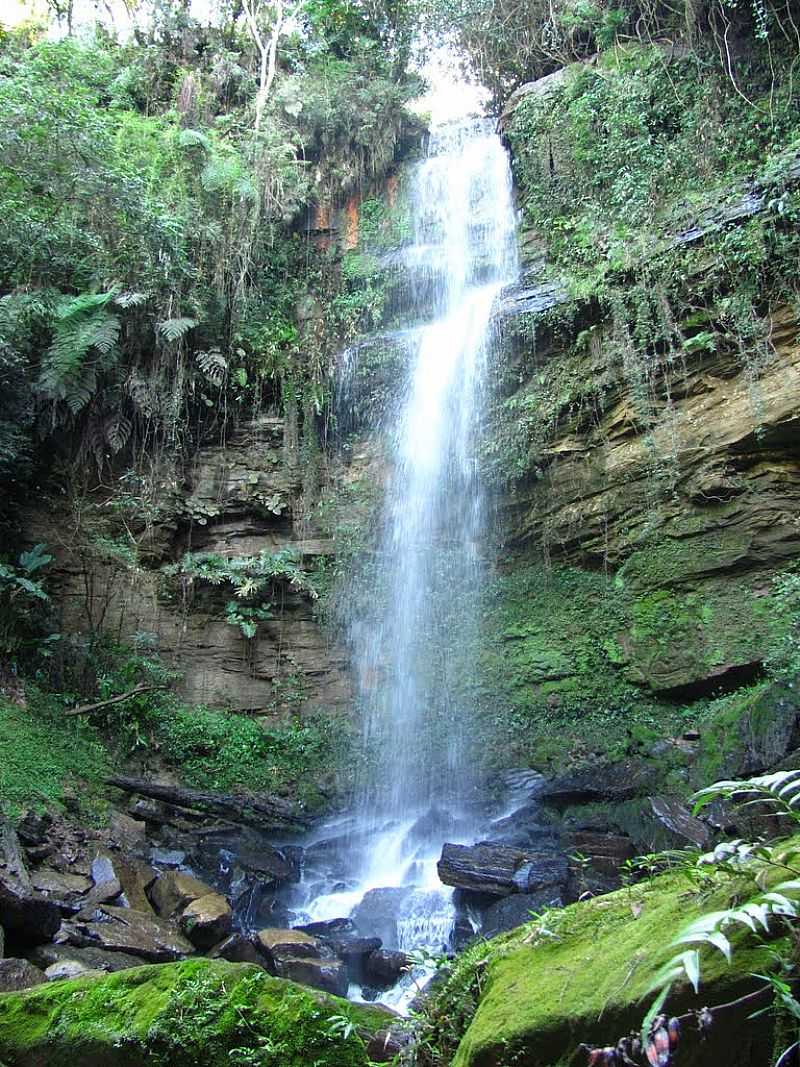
410 680
462 256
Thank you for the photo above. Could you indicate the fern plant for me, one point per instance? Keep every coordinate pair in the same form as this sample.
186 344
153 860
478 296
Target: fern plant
780 792
22 600
85 342
252 579
173 330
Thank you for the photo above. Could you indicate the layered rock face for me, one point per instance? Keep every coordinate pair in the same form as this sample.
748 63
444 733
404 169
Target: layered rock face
657 429
696 513
240 497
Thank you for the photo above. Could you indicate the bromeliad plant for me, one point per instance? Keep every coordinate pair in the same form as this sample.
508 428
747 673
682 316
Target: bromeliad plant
778 902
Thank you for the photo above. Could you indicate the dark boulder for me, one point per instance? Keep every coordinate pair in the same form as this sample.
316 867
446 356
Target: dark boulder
29 915
272 866
327 975
376 914
19 974
500 869
514 910
383 968
92 959
679 821
328 928
207 920
353 951
386 1045
605 851
237 949
125 930
175 890
278 945
604 781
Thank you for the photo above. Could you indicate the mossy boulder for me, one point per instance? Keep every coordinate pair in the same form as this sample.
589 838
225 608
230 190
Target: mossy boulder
584 974
198 1013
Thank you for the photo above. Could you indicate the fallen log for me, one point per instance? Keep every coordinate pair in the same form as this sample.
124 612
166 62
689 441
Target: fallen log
260 813
85 709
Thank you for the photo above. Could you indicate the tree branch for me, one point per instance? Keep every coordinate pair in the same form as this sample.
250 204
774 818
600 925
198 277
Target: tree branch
85 709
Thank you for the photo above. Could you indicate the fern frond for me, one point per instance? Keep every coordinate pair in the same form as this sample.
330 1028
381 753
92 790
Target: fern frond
82 323
213 365
130 299
74 307
194 139
142 394
174 329
118 429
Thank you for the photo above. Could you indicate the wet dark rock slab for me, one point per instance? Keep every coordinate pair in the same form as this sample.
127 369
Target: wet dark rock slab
384 967
605 851
93 959
386 1045
329 928
278 945
603 781
516 909
376 914
500 869
175 890
19 974
328 975
531 299
237 949
32 917
679 820
125 930
207 920
273 866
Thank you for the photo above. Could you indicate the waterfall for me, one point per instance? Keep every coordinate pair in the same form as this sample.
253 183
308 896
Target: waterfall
413 687
416 716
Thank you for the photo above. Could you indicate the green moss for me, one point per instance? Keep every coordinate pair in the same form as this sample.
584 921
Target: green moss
554 688
43 754
200 1013
583 974
745 732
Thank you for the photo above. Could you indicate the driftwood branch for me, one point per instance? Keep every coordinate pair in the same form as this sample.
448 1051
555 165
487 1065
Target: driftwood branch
261 813
85 709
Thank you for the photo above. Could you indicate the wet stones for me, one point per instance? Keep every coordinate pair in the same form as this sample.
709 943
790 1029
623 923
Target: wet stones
516 909
377 913
383 967
237 949
297 955
125 930
207 920
175 890
328 975
31 916
279 945
501 870
19 974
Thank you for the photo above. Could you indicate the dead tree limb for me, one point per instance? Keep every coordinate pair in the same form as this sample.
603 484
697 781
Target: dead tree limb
85 709
259 812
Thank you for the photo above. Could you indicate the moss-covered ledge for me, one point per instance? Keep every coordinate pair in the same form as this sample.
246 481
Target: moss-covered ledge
199 1013
583 974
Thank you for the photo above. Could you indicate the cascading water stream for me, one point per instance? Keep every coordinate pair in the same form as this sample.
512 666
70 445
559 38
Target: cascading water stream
417 714
464 240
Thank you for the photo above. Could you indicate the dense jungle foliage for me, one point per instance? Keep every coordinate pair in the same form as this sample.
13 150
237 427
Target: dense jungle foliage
154 208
